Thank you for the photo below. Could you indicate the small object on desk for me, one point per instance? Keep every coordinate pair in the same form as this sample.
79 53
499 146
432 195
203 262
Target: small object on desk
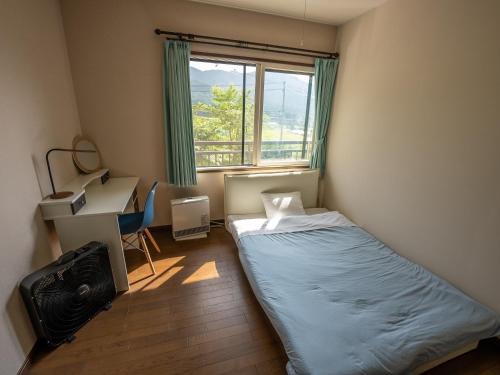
105 177
61 194
70 205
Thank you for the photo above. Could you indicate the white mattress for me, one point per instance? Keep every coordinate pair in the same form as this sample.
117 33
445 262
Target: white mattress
243 225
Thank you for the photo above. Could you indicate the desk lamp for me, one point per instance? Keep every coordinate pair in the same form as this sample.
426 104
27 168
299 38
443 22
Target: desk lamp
60 194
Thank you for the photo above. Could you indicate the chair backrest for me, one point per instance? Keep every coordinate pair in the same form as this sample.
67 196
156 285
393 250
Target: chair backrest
149 207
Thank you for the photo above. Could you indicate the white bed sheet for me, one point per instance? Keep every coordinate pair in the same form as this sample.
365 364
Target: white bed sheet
315 218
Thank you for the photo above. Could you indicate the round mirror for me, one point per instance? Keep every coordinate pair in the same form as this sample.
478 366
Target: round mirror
87 162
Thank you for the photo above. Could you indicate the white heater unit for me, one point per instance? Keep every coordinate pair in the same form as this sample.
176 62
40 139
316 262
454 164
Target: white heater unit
190 217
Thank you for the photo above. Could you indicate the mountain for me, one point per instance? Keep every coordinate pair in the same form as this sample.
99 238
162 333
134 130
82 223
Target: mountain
217 77
285 95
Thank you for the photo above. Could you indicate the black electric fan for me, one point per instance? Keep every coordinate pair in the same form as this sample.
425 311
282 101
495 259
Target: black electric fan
67 293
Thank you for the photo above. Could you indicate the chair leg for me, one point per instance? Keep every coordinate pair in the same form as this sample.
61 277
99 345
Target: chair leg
155 245
146 251
139 242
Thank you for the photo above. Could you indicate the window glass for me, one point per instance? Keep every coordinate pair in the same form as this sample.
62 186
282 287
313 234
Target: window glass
288 116
223 100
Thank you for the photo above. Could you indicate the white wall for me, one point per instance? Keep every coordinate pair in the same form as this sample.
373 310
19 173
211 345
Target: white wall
116 64
414 150
37 111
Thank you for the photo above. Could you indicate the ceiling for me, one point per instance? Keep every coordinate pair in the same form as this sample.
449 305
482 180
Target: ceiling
333 12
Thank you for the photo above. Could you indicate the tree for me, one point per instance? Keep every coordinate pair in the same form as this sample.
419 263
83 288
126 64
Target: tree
222 121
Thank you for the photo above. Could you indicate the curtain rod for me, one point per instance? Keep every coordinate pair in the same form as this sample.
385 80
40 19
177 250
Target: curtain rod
225 42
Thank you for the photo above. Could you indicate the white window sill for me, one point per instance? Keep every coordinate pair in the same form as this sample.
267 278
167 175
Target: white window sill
252 168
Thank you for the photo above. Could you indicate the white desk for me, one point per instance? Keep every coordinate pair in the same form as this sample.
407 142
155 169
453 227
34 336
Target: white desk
98 220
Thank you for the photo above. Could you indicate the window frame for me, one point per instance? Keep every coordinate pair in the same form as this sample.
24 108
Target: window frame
260 70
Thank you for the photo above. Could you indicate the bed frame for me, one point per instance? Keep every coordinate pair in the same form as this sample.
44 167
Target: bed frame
427 366
242 197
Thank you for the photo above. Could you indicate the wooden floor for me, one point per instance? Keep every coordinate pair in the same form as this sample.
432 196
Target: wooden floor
196 316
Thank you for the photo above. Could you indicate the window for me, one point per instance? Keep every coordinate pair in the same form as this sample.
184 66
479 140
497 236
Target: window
223 99
251 114
287 119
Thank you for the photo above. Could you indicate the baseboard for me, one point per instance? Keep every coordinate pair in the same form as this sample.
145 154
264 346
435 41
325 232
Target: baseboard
29 358
168 228
221 222
160 228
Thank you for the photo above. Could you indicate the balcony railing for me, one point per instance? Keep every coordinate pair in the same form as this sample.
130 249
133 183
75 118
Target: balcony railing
227 153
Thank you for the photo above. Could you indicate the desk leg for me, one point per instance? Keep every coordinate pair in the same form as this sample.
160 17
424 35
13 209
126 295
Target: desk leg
76 231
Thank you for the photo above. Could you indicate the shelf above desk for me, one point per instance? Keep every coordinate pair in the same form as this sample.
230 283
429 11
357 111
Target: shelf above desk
91 196
77 186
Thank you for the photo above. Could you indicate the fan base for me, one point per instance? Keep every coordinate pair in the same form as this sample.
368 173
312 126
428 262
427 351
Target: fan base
107 306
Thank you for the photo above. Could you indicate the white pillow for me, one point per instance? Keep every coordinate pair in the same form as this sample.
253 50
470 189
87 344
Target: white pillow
282 204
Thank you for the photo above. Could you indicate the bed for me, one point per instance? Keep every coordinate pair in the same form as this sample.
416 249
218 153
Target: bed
341 301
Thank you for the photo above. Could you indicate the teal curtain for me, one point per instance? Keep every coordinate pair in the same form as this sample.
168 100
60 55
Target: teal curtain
325 71
179 138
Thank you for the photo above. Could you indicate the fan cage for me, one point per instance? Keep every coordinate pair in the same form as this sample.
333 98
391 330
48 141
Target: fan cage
73 294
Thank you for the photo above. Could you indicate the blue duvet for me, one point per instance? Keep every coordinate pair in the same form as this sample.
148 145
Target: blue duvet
344 303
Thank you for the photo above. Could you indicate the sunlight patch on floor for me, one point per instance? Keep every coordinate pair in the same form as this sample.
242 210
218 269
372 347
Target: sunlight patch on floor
159 264
161 279
206 272
168 262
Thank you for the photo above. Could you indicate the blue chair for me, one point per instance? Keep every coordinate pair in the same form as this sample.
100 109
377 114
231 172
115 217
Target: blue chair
137 223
